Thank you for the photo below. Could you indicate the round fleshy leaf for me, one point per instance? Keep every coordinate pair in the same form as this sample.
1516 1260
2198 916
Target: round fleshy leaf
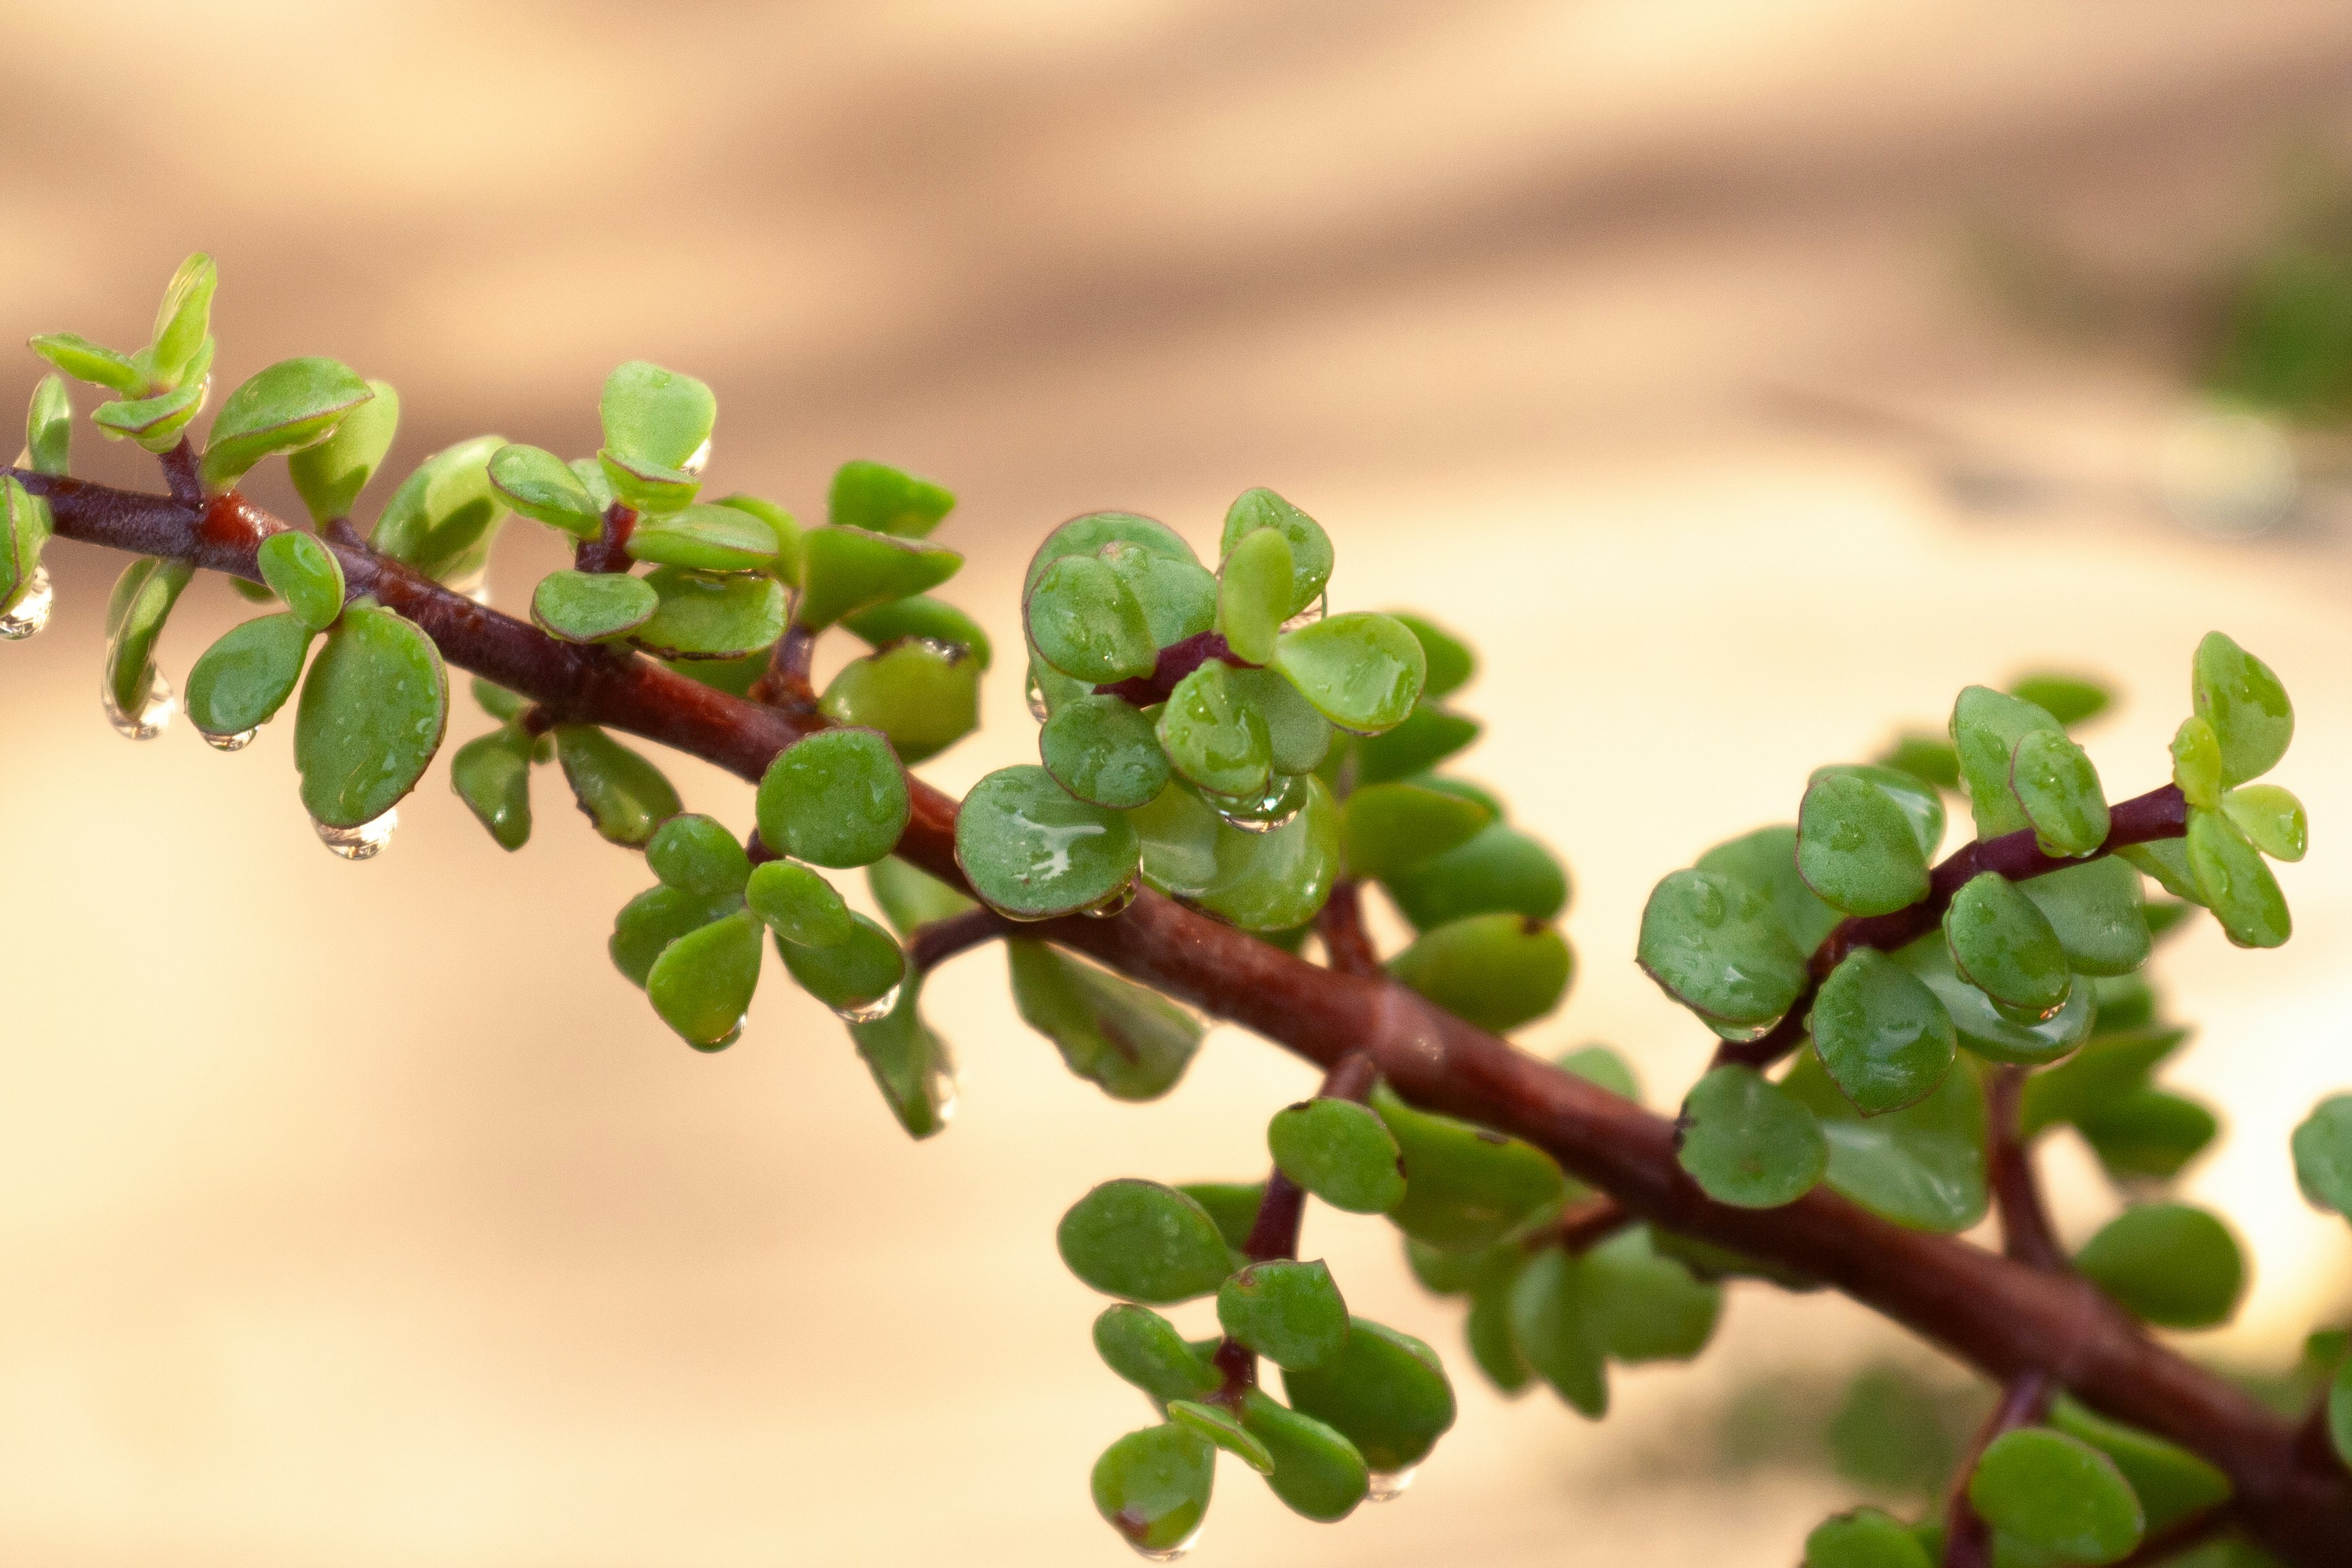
909 1062
1931 759
1882 1035
707 537
492 774
883 499
1857 848
1210 736
2322 1146
1084 621
1033 850
1298 737
1921 805
783 529
1766 860
1104 752
1233 1204
847 570
2237 694
1340 1151
1122 1036
1450 662
1387 829
649 923
2056 1494
371 715
2059 791
592 606
835 798
288 405
1253 593
48 427
1385 1392
306 574
1500 870
184 318
2150 1134
657 416
89 361
1986 727
1984 1028
2168 1264
2099 914
1145 1349
1865 1538
330 475
1310 548
2196 762
1318 1473
1153 1486
1427 737
1643 1306
1361 671
912 900
702 982
922 697
624 794
1716 946
2171 1482
2271 817
2072 699
1144 1242
1086 535
918 617
445 516
1747 1141
136 611
2003 945
1497 971
696 853
1261 881
705 615
1465 1187
1922 1166
855 976
1287 1311
800 906
545 488
1221 1426
243 681
1178 596
2235 882
154 423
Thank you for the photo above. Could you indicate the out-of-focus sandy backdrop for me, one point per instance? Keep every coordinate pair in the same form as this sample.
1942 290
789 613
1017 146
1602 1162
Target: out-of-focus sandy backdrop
364 1215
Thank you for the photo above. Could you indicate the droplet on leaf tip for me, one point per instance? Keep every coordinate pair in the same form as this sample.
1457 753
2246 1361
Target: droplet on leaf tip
361 843
872 1012
30 613
154 715
236 743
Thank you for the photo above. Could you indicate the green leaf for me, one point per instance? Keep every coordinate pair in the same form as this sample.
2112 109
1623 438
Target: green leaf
2056 1494
1233 1204
1600 1066
492 774
2171 1482
1088 535
783 532
86 360
288 405
1500 870
1882 1035
2003 945
1384 1392
1111 1031
1497 971
1299 738
1921 804
1716 946
154 423
136 611
306 574
706 537
2072 699
1261 881
2059 790
696 853
912 900
1212 737
1362 672
1983 1028
373 713
1144 1348
1104 752
2235 882
1486 1328
884 499
2102 1074
2098 913
1466 1187
444 517
1865 1539
593 480
909 1060
1083 620
1855 847
1033 850
1318 1473
1986 727
649 923
1766 859
2168 1264
1428 736
923 697
2271 817
702 982
593 606
2237 694
497 701
1144 1242
1922 1166
800 906
1340 1151
2196 762
1449 661
1310 548
846 570
183 319
1253 593
2167 860
1387 829
1220 1427
921 618
1152 1486
1641 1306
543 487
1747 1141
858 977
1178 596
48 427
656 416
1552 1326
707 615
1287 1311
620 792
243 681
835 798
2322 1146
2149 1133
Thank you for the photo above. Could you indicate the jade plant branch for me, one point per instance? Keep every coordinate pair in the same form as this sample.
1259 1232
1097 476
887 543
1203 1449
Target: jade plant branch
1999 1314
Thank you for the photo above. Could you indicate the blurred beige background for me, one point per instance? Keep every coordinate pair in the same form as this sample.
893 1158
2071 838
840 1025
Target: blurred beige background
364 1215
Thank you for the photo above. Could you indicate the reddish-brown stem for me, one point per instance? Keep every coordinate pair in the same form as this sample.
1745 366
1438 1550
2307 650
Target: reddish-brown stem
1986 1309
935 943
609 550
180 472
1968 1541
1346 943
785 682
1176 661
1584 1224
2026 1233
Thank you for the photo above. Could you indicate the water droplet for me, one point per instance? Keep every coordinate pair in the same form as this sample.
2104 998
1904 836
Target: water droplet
154 715
1739 1035
31 611
696 460
474 584
361 843
1115 904
1037 695
236 743
1167 1554
733 1035
946 1093
872 1012
1390 1485
1310 615
1286 795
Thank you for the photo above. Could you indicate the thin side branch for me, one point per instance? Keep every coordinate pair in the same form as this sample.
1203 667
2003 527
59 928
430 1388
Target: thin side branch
1968 1539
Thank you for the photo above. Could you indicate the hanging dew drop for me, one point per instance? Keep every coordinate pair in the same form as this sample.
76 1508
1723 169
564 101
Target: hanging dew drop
698 459
946 1093
31 611
1167 1554
361 843
733 1035
1285 797
1739 1035
1387 1486
236 743
154 715
872 1012
1115 904
1036 696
